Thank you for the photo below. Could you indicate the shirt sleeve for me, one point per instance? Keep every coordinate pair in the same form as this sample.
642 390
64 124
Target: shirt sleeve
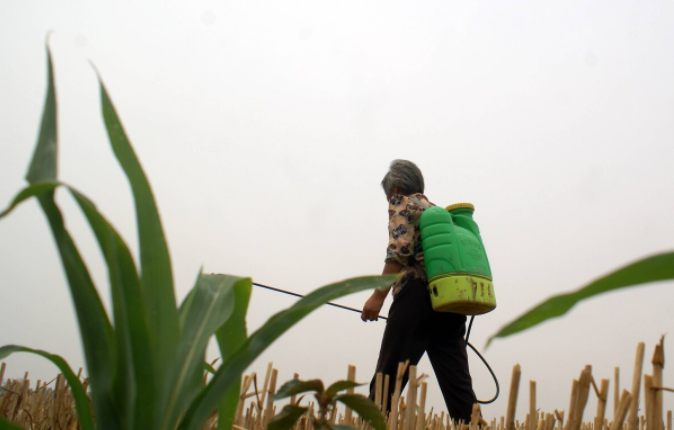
401 232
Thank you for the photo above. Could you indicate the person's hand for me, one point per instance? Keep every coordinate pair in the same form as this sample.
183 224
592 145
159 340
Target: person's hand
373 305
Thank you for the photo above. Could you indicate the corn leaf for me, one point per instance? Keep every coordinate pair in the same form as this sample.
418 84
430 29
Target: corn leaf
209 368
28 192
341 386
76 388
230 337
8 425
131 333
287 417
43 166
155 263
95 327
206 308
651 269
295 386
231 370
365 408
133 383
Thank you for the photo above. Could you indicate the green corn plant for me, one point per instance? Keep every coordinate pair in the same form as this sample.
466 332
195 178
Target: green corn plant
326 400
146 361
655 268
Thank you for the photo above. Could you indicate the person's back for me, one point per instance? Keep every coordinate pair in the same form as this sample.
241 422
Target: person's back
405 237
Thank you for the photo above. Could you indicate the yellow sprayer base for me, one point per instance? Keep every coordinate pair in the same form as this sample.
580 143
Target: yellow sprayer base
462 294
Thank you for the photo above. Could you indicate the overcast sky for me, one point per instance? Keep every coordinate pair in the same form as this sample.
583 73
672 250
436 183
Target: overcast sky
266 127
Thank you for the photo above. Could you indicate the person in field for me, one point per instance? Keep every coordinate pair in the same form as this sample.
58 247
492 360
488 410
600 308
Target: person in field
413 327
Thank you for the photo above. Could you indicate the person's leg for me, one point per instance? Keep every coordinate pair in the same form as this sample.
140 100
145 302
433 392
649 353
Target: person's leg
447 353
405 337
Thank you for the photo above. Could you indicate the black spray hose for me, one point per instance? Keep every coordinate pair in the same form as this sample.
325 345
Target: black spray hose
470 325
493 375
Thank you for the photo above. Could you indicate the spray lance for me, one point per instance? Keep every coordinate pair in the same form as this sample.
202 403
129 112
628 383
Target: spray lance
457 268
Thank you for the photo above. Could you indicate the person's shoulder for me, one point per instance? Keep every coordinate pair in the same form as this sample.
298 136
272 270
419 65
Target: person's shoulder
397 200
420 201
413 202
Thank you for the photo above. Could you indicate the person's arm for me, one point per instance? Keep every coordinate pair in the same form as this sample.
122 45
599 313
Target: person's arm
374 304
398 251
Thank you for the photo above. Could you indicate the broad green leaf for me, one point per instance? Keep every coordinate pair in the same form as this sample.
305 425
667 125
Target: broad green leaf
231 370
95 328
365 408
76 388
155 263
133 383
295 386
230 337
133 360
33 190
7 425
651 269
209 368
43 166
287 417
341 386
207 308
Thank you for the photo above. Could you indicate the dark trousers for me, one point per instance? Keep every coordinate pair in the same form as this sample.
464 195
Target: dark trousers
414 328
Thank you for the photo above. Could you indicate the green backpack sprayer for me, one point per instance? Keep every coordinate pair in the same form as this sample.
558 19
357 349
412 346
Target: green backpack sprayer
459 277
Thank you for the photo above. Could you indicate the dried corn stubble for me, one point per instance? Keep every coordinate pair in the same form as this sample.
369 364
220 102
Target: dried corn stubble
50 405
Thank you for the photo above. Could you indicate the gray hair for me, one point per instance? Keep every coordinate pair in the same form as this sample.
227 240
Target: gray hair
405 175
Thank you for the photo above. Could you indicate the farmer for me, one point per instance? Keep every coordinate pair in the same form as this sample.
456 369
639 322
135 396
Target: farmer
413 327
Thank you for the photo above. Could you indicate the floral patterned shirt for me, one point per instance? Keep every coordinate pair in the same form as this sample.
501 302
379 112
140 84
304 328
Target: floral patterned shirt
404 245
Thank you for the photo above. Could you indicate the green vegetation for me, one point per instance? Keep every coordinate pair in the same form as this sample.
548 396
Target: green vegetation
146 361
327 400
651 269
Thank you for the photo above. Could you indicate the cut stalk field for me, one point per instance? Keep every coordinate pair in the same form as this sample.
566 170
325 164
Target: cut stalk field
50 405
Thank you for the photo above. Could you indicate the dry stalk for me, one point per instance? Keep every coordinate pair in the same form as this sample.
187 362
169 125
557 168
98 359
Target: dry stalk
658 362
393 416
267 376
269 412
351 376
533 415
475 417
560 418
2 373
411 399
512 398
616 391
623 407
633 419
649 400
247 380
401 416
602 397
421 418
574 401
387 381
377 390
583 394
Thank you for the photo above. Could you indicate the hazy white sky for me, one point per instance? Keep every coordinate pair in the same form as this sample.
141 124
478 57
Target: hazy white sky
266 127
